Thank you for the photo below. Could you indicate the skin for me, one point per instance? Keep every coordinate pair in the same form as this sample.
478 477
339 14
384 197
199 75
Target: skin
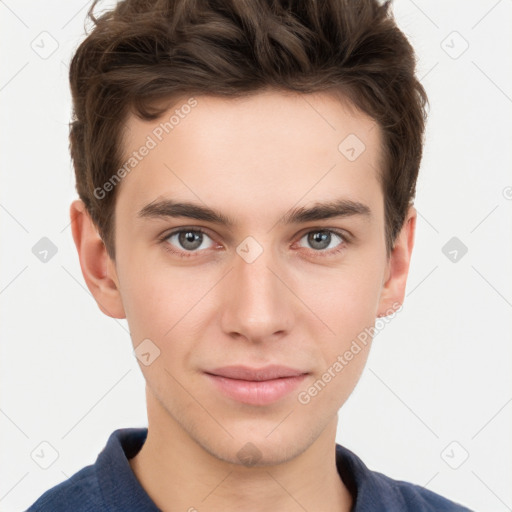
253 159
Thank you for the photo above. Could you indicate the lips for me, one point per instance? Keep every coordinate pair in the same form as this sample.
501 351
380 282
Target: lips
256 386
256 374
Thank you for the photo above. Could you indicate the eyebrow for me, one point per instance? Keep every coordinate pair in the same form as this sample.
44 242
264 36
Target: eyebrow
319 211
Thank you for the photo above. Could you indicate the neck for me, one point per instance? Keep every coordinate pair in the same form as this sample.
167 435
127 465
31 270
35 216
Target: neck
179 474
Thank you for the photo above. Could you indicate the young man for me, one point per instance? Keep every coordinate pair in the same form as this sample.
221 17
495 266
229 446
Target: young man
246 171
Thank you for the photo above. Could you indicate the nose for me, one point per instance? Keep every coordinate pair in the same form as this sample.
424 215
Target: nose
258 304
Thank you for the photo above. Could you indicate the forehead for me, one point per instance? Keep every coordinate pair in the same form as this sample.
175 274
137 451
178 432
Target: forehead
268 147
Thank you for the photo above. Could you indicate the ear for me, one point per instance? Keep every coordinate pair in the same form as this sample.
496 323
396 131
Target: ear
97 268
393 291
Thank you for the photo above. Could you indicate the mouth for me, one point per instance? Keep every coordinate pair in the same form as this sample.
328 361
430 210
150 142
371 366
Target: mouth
256 386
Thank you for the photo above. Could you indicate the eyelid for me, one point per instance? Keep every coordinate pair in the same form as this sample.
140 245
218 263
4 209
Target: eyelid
167 234
342 233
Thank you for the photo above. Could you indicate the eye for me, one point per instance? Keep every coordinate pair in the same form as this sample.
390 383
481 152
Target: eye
322 239
186 241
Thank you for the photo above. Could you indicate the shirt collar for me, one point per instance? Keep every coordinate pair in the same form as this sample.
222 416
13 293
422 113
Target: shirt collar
119 486
122 491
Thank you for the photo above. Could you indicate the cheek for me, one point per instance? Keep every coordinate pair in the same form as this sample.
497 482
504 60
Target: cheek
168 308
150 305
347 303
347 298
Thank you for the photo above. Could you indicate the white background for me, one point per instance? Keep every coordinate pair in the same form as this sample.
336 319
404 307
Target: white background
439 374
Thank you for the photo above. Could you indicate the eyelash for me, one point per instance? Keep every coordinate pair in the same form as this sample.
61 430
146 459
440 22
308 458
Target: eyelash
191 254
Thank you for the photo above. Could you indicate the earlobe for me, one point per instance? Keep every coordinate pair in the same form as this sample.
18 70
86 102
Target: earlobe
97 268
393 291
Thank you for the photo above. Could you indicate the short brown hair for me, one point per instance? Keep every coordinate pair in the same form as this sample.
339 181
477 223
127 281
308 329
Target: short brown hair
142 52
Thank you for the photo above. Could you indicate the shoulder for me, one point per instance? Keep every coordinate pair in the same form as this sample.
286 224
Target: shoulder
407 496
376 492
108 484
80 493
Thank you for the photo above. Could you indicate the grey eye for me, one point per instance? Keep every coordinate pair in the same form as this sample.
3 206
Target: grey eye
321 239
189 239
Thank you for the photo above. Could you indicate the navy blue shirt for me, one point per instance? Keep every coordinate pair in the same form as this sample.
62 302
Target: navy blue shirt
110 485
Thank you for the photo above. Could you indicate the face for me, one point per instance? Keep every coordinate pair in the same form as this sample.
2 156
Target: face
274 285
